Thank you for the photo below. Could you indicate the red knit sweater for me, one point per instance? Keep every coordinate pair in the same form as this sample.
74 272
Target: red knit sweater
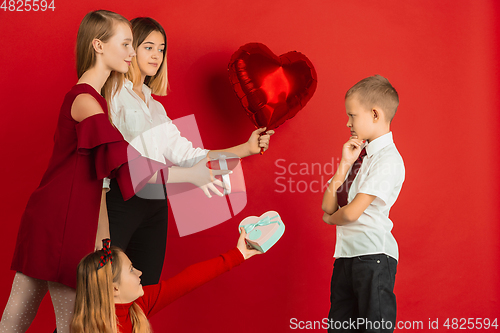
157 296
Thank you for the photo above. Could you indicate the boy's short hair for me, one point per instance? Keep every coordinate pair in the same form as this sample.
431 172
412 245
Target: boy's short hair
376 91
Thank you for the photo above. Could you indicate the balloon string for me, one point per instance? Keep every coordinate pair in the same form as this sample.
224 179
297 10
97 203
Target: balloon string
262 148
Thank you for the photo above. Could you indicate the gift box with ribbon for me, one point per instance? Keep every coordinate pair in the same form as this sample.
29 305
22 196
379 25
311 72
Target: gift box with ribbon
264 231
233 182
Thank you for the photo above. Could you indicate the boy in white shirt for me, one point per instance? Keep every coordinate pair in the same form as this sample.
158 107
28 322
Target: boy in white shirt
362 191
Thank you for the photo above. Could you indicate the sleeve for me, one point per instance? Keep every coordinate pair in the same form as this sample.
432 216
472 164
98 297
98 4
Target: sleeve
383 177
105 183
113 156
156 297
118 107
179 150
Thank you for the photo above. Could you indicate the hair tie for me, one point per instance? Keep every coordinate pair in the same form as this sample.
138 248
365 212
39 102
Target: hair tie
106 243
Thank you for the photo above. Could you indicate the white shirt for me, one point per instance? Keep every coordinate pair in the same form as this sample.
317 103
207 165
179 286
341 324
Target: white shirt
381 174
147 128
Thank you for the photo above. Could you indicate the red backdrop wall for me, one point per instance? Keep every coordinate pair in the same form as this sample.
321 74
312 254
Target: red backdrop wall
442 57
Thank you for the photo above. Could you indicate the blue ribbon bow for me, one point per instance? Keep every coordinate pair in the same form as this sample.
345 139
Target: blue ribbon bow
265 221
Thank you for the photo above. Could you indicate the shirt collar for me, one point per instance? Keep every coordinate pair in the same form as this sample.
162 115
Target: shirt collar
378 144
145 89
147 92
128 84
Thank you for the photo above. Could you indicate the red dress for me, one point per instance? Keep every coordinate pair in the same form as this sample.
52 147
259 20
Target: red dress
158 296
59 225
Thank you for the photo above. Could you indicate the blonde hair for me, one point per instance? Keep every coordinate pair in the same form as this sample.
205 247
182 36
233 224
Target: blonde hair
94 303
99 24
141 28
376 91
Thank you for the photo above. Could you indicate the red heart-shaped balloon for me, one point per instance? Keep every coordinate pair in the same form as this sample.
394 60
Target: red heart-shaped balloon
272 89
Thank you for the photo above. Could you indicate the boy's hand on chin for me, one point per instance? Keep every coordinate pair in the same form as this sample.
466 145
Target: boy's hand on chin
351 150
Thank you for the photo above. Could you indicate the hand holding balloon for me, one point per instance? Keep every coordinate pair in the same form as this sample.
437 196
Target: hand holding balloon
259 141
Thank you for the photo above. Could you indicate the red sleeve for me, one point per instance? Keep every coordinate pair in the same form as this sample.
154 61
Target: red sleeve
113 156
156 297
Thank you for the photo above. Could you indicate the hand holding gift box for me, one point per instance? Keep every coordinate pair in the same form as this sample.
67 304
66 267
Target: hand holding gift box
226 161
264 231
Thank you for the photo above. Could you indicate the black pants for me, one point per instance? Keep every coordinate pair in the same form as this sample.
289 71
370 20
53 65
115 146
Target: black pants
139 227
362 297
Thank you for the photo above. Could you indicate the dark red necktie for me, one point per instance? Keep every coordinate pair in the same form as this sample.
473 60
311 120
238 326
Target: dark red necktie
343 190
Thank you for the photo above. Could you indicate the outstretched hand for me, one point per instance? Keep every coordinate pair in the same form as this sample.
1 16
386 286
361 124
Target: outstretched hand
246 250
258 141
199 175
204 178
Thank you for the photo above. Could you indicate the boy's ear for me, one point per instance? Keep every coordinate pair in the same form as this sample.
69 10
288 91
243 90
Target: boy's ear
376 114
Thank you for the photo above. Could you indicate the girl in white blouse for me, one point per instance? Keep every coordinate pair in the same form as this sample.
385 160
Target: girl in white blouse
139 225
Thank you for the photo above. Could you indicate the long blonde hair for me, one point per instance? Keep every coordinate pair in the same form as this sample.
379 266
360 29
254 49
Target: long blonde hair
94 303
141 28
99 24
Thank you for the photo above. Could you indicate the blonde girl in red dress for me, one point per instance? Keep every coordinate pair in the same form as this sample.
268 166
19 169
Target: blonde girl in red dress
62 219
66 216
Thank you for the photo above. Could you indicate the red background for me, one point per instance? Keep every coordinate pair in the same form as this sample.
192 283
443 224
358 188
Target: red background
441 56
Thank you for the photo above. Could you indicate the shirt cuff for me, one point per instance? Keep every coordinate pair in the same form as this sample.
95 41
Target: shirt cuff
105 184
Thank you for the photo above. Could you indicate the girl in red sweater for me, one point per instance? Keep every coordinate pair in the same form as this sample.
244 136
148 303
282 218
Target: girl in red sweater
111 299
